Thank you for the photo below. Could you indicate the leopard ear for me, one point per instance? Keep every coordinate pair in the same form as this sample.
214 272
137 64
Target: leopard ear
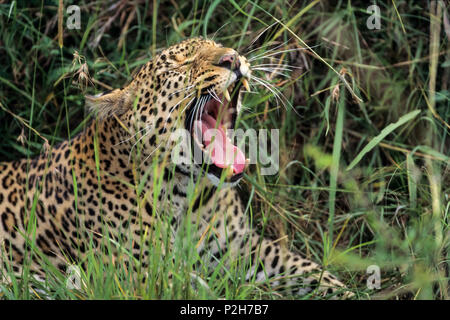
106 104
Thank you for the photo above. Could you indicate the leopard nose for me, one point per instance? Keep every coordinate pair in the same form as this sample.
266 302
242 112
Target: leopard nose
230 61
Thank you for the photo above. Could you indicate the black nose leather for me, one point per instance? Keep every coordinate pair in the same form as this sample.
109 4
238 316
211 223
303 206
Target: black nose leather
238 73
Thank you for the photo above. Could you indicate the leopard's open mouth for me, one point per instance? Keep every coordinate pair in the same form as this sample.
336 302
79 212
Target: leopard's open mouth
210 122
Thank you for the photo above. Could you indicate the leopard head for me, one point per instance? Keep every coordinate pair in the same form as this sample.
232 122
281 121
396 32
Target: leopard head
194 87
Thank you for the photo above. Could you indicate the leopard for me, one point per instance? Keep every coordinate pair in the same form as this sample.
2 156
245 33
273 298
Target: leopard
125 170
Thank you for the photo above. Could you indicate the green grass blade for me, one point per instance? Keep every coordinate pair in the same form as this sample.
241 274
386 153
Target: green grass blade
375 141
334 170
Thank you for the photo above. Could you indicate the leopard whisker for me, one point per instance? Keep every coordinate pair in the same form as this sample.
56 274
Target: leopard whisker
257 37
271 50
131 150
248 109
197 113
267 86
200 103
214 95
191 114
132 136
168 140
142 137
157 147
272 71
202 109
174 107
277 93
185 107
279 52
181 90
276 65
215 33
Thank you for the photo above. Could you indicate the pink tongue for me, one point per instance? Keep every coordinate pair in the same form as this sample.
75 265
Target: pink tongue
223 153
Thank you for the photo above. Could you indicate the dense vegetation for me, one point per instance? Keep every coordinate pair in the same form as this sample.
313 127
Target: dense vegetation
358 184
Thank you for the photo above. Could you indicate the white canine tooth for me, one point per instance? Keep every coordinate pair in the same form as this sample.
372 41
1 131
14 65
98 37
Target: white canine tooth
227 95
229 172
247 161
245 83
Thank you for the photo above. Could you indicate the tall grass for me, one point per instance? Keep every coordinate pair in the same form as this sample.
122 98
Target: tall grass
358 184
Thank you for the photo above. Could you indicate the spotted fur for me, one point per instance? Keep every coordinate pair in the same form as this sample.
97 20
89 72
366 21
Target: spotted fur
89 182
